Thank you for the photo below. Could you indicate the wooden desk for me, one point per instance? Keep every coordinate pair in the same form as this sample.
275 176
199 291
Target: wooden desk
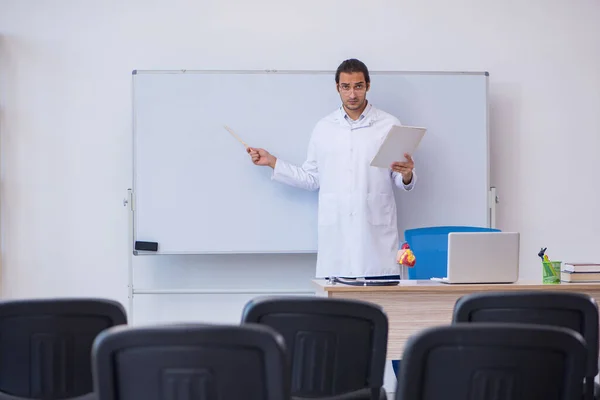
415 305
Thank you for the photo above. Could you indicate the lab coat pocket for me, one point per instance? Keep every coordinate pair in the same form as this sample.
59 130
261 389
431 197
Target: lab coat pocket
328 209
380 209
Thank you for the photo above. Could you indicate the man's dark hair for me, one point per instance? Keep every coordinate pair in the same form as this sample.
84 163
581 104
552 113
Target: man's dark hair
350 66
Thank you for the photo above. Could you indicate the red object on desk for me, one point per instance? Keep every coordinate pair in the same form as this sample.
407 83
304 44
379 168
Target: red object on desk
408 257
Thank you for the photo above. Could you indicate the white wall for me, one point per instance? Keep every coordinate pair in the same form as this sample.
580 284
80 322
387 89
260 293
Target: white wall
65 109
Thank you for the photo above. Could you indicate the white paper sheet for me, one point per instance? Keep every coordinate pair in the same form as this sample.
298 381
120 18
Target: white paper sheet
399 140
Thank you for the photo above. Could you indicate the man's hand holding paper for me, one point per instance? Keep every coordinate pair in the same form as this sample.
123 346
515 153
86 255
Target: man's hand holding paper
404 167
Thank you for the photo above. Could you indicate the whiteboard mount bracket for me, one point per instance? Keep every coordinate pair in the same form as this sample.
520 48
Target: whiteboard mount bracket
493 199
128 199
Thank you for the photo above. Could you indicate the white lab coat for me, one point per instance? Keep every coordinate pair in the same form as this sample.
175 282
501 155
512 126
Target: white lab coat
357 226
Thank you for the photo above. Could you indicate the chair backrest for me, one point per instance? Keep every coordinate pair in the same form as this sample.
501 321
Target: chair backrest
430 247
45 345
335 346
571 310
493 361
190 362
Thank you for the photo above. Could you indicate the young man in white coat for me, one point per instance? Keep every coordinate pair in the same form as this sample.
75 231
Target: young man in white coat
357 229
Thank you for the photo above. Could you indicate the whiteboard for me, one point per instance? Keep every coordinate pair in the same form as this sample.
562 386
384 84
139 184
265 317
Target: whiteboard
195 190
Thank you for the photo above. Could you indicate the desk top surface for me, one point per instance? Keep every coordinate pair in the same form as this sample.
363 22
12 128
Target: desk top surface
433 286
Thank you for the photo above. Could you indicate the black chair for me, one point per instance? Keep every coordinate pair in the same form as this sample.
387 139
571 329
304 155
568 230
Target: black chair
571 310
493 361
190 362
45 346
337 348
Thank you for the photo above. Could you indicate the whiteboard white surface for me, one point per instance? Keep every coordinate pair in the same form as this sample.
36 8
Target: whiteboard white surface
196 191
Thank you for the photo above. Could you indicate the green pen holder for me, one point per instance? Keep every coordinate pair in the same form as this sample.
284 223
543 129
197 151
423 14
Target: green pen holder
551 272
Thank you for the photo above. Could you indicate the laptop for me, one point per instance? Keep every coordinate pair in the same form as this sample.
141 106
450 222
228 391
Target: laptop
482 257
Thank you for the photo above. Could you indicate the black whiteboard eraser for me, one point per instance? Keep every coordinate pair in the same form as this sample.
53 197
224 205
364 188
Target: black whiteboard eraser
146 246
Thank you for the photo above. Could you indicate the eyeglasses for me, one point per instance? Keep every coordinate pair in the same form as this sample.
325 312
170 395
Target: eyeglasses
360 87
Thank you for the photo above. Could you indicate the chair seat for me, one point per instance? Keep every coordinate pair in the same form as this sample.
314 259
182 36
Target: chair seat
88 396
362 394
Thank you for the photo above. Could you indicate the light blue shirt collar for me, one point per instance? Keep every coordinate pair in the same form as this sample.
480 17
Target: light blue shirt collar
363 115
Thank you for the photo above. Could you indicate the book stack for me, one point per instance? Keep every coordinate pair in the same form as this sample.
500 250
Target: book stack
580 272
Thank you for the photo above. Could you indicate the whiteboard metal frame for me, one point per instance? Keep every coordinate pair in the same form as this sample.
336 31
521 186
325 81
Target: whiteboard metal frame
299 71
129 200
